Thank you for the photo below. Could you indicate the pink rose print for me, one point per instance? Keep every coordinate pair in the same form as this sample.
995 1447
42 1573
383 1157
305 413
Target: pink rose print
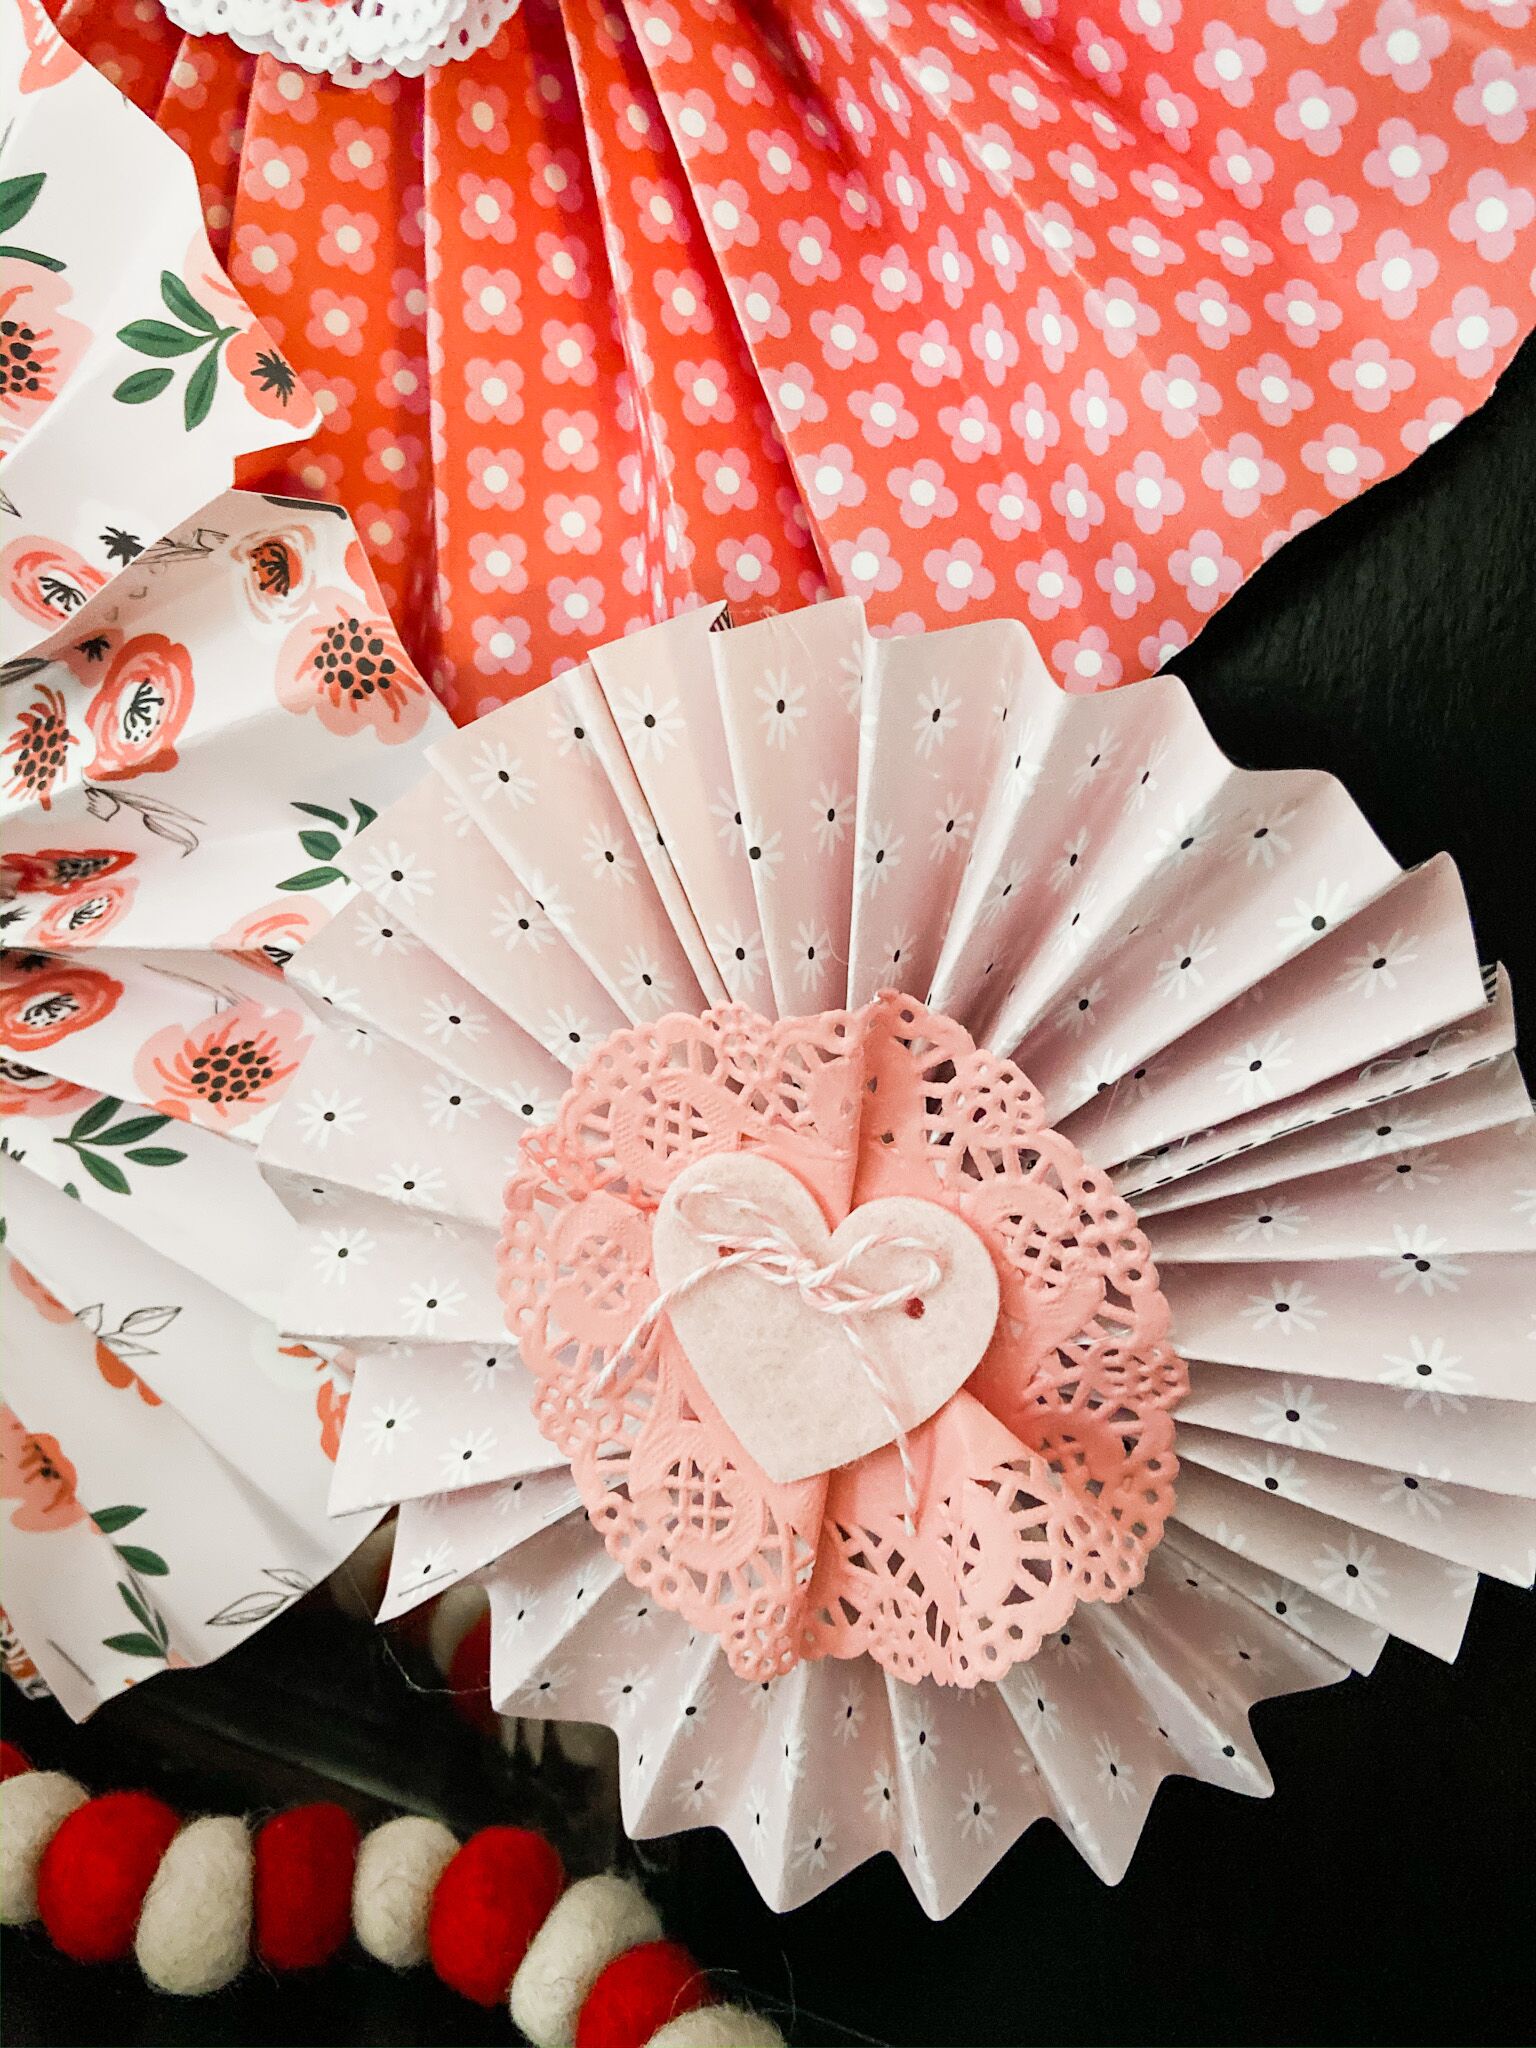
1499 97
1493 213
1086 664
268 938
1396 274
1343 461
222 1072
1123 580
344 663
1049 585
1371 375
46 582
1404 162
82 917
35 1474
44 1000
1473 329
39 344
1405 45
25 1091
1243 474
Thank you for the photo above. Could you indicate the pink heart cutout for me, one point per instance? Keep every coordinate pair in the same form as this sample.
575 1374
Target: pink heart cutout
783 1373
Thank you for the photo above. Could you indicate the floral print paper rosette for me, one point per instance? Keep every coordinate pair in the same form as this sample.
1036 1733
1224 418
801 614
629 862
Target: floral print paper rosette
207 700
965 309
1218 1095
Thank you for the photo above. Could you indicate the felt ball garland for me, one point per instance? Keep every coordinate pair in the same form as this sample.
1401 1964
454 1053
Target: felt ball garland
579 1966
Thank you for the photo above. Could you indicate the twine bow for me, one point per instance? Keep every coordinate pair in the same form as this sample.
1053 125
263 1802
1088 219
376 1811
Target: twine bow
831 1289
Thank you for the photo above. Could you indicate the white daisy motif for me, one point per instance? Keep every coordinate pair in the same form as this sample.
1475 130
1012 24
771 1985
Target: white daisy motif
429 1567
387 1422
1275 1474
1067 867
920 1746
1106 1071
783 708
740 956
765 850
1402 1176
1411 1494
1113 1772
794 1750
1349 1576
1524 1205
608 859
1004 890
446 1100
338 1254
566 732
410 1182
427 1304
566 1031
325 988
848 1720
498 775
938 713
487 1370
643 979
880 1797
1186 835
1310 916
1144 780
519 922
651 724
1076 1015
626 1691
1296 1415
953 823
578 1602
977 1812
394 874
813 949
1044 1723
879 854
327 1114
814 1845
456 812
832 810
1265 843
378 932
1096 759
1377 967
898 958
1430 1374
467 1458
1251 1074
697 1786
1269 1221
448 1018
1392 1131
1417 1260
726 812
1288 1310
1182 972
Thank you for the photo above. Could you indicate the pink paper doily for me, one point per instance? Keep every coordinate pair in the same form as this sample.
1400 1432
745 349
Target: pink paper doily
1045 1480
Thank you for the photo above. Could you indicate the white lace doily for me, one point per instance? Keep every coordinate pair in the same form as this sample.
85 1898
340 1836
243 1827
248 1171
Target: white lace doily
351 41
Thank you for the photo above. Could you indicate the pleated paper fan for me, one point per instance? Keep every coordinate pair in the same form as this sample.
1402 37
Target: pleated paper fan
966 310
1221 1090
134 374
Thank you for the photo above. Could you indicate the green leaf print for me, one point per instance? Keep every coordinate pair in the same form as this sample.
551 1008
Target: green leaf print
179 300
142 386
110 1520
134 1646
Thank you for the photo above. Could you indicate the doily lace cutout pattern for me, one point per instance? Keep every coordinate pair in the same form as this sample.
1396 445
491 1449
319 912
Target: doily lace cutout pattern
353 42
1046 1480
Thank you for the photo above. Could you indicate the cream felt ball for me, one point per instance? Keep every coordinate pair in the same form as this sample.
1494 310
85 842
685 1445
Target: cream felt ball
194 1931
398 1867
31 1808
718 2026
596 1920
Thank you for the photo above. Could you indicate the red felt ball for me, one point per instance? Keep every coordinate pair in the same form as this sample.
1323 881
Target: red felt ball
96 1870
469 1675
302 1885
489 1904
638 1992
12 1761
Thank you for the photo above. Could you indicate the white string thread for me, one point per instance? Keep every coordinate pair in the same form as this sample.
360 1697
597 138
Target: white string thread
830 1289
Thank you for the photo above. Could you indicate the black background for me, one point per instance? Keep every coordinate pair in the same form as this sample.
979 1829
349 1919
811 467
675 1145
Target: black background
1386 1893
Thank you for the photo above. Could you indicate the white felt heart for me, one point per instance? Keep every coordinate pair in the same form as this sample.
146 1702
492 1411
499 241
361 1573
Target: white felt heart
785 1373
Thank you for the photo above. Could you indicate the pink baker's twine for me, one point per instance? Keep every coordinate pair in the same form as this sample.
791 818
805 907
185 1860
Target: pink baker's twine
830 1289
